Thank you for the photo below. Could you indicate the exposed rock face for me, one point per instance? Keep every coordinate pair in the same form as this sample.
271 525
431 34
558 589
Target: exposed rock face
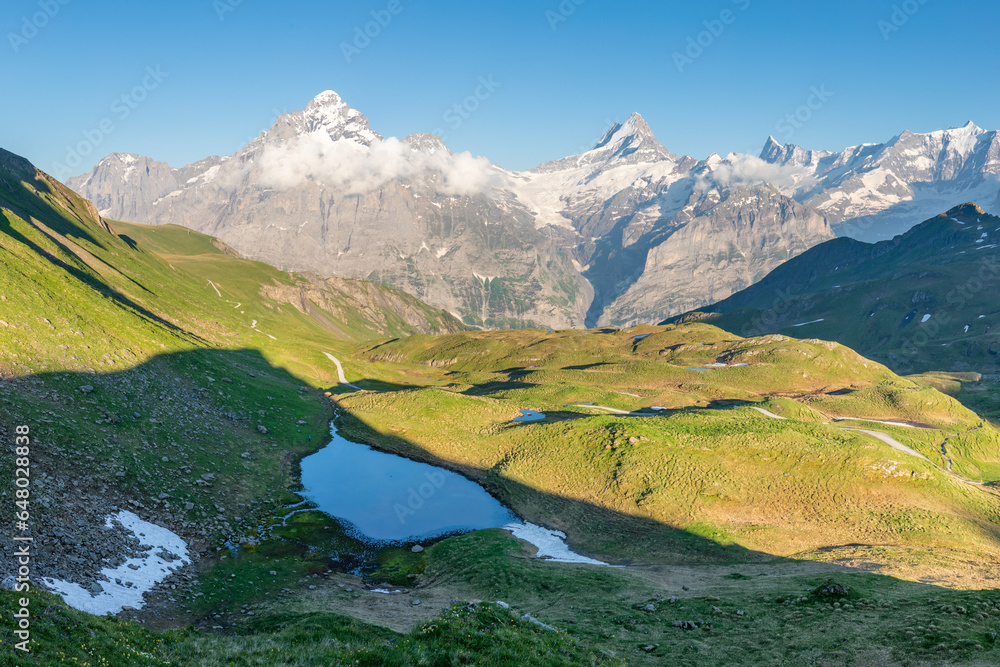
624 232
873 192
467 250
334 301
125 186
728 247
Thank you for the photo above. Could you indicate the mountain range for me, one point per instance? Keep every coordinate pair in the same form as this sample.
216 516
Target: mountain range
919 302
624 233
174 388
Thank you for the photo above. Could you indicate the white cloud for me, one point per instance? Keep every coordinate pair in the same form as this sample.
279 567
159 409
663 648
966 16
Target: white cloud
358 169
739 169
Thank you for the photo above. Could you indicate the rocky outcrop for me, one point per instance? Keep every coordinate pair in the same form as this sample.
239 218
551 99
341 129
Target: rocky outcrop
624 232
335 302
730 246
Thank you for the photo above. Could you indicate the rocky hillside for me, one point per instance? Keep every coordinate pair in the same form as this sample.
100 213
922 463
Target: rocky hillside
730 244
553 246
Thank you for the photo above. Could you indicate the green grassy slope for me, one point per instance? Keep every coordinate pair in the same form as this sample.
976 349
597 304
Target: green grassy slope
874 297
485 633
187 349
637 486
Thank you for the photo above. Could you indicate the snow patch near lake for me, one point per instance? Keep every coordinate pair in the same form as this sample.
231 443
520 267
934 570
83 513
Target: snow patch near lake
925 318
767 413
135 583
551 544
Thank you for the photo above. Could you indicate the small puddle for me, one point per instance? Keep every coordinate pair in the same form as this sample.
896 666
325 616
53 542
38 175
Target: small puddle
529 416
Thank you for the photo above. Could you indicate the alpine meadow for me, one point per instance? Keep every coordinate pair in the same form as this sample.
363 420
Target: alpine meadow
392 335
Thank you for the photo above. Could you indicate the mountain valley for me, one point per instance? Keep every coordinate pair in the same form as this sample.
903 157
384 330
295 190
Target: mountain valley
171 378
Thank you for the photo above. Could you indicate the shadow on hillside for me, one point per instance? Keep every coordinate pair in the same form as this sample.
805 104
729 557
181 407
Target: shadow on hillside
594 529
586 367
129 241
374 385
591 529
21 200
495 386
212 398
91 281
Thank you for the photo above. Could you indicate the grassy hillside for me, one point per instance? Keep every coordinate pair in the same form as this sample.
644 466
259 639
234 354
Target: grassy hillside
161 373
923 301
187 349
638 485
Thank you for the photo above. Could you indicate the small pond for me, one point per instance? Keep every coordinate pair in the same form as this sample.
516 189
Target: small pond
383 498
529 416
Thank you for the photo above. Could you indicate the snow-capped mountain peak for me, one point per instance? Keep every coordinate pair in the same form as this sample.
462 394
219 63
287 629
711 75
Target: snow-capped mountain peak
772 149
635 127
327 98
906 178
328 114
628 143
425 141
634 137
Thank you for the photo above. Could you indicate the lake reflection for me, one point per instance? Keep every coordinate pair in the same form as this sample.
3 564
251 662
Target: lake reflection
387 498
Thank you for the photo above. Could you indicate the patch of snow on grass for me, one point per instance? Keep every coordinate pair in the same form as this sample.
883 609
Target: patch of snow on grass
135 583
767 413
551 544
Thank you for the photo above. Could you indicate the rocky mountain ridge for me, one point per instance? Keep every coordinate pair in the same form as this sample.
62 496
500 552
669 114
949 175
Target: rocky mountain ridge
586 240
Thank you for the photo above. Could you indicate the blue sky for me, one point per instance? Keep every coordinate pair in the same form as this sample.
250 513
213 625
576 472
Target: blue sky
211 74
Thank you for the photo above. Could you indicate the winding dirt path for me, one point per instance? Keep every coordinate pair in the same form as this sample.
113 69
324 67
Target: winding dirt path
889 440
340 372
